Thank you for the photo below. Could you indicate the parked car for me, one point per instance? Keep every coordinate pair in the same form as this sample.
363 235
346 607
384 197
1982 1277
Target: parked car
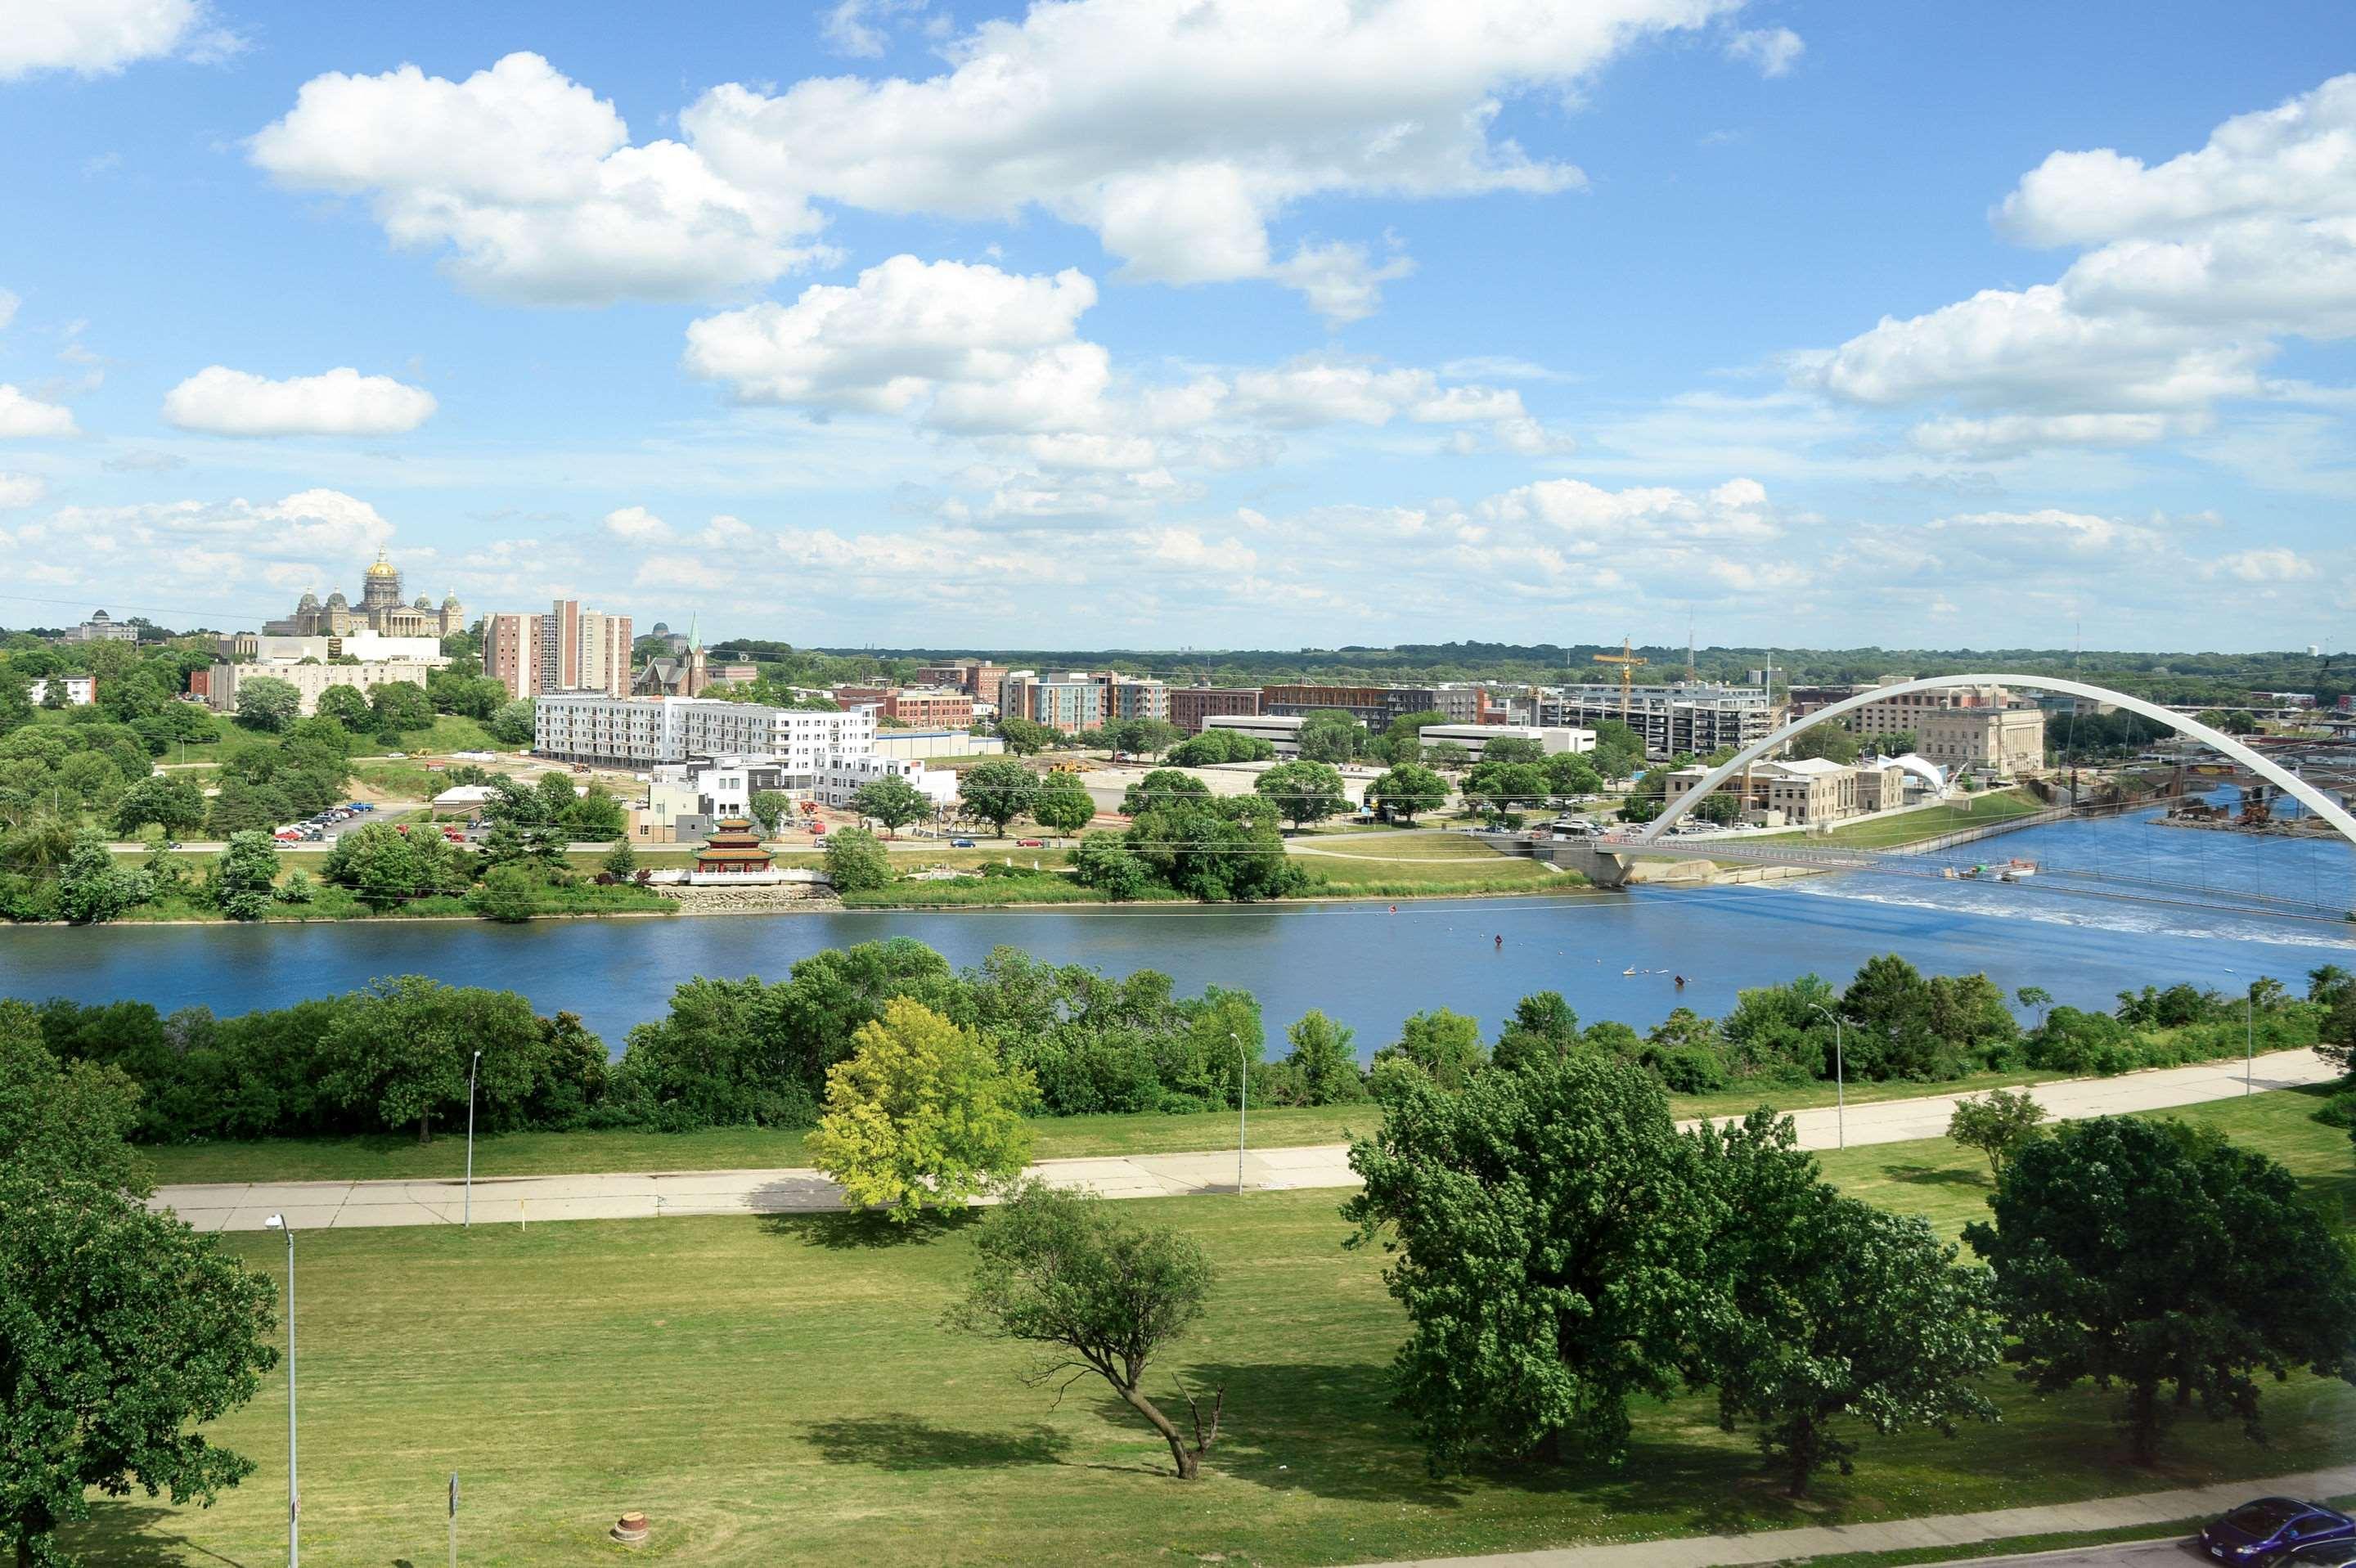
960 843
2323 1554
2268 1527
398 756
1030 844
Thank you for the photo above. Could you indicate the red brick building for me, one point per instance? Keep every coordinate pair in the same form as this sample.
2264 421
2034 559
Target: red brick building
1190 705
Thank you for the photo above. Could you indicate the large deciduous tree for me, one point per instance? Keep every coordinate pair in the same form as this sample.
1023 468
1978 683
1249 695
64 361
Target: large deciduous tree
266 702
175 805
1547 1230
1303 792
892 801
1407 791
922 1112
998 792
245 876
1829 1311
1331 735
400 1051
1097 1294
2164 1260
1063 805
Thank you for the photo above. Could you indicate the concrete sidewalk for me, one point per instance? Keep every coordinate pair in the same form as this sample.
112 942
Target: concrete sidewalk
512 1200
1902 1534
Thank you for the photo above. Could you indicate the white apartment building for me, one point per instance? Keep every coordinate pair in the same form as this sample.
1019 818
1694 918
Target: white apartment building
1699 717
73 690
367 646
311 680
1553 739
841 776
638 731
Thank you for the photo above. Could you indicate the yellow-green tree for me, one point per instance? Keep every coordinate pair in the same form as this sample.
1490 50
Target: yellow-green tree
921 1112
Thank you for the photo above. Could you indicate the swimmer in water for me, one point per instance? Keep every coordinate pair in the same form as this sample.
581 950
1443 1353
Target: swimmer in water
1501 942
1681 982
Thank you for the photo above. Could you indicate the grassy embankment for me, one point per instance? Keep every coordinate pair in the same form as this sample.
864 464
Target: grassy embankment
397 1156
1913 827
781 1390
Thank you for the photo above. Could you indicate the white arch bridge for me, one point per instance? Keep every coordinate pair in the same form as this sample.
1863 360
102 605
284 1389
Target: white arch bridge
1797 852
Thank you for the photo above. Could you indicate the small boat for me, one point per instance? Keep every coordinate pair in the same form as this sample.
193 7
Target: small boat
1630 970
2016 869
1971 873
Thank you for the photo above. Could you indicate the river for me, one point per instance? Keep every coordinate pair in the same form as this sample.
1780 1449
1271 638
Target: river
1363 964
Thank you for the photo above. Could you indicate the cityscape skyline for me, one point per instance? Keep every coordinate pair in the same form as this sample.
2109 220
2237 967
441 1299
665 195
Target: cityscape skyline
1535 339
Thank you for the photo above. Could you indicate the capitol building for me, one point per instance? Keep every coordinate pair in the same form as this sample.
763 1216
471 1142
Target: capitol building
379 611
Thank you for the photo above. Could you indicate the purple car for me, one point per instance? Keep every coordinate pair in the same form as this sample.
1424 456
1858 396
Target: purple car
2263 1530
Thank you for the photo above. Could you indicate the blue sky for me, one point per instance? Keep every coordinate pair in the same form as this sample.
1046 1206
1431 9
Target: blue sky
1175 321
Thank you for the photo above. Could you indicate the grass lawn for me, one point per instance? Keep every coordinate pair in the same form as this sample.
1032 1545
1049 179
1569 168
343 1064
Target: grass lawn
398 1155
1913 827
780 1391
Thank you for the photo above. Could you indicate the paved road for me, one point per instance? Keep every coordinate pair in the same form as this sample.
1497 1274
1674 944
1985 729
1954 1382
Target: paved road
1938 1530
325 1205
2177 1551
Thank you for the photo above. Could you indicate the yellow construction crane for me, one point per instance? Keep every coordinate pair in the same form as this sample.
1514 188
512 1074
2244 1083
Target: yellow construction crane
1627 660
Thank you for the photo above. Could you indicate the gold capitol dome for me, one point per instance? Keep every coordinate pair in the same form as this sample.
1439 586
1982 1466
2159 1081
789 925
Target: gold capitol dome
383 568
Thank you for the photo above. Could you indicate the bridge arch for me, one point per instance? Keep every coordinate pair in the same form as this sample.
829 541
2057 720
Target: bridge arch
2297 788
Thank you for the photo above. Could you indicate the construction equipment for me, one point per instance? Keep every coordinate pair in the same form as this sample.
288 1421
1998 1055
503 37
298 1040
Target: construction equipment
1627 660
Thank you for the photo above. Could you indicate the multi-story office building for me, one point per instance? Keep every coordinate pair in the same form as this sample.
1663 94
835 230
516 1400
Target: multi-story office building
1281 731
567 649
1697 717
1190 705
363 645
2003 742
1476 737
978 678
636 731
927 706
1376 706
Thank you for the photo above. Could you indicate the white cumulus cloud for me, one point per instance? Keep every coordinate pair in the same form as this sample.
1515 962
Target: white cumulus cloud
222 401
2190 276
635 525
96 37
21 415
532 182
1177 131
1772 49
21 489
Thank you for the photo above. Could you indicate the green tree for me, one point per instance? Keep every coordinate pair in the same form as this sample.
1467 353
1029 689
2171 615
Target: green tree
1997 1125
1546 1230
856 862
1062 804
124 1333
1218 849
348 706
1095 1293
64 1123
398 1051
508 894
1104 862
1543 1029
1447 756
93 890
397 707
1025 736
1446 1046
1832 1310
1303 792
511 722
1162 783
1407 791
1497 787
922 1112
1328 1066
621 862
266 702
2143 1254
998 792
1570 777
768 806
1331 735
1829 741
15 700
245 874
1514 749
2036 997
380 864
1214 746
175 805
892 801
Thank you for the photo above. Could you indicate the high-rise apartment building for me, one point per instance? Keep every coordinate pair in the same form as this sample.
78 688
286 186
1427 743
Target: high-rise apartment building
566 649
1190 705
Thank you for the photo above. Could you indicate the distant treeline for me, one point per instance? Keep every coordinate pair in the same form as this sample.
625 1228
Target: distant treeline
2179 677
756 1052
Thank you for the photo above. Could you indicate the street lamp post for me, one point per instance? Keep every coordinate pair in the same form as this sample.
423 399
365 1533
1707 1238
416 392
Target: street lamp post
2249 1033
1840 1089
1243 1102
293 1492
469 1213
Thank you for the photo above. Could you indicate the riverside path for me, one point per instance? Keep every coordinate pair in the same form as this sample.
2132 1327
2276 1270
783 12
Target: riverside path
520 1200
